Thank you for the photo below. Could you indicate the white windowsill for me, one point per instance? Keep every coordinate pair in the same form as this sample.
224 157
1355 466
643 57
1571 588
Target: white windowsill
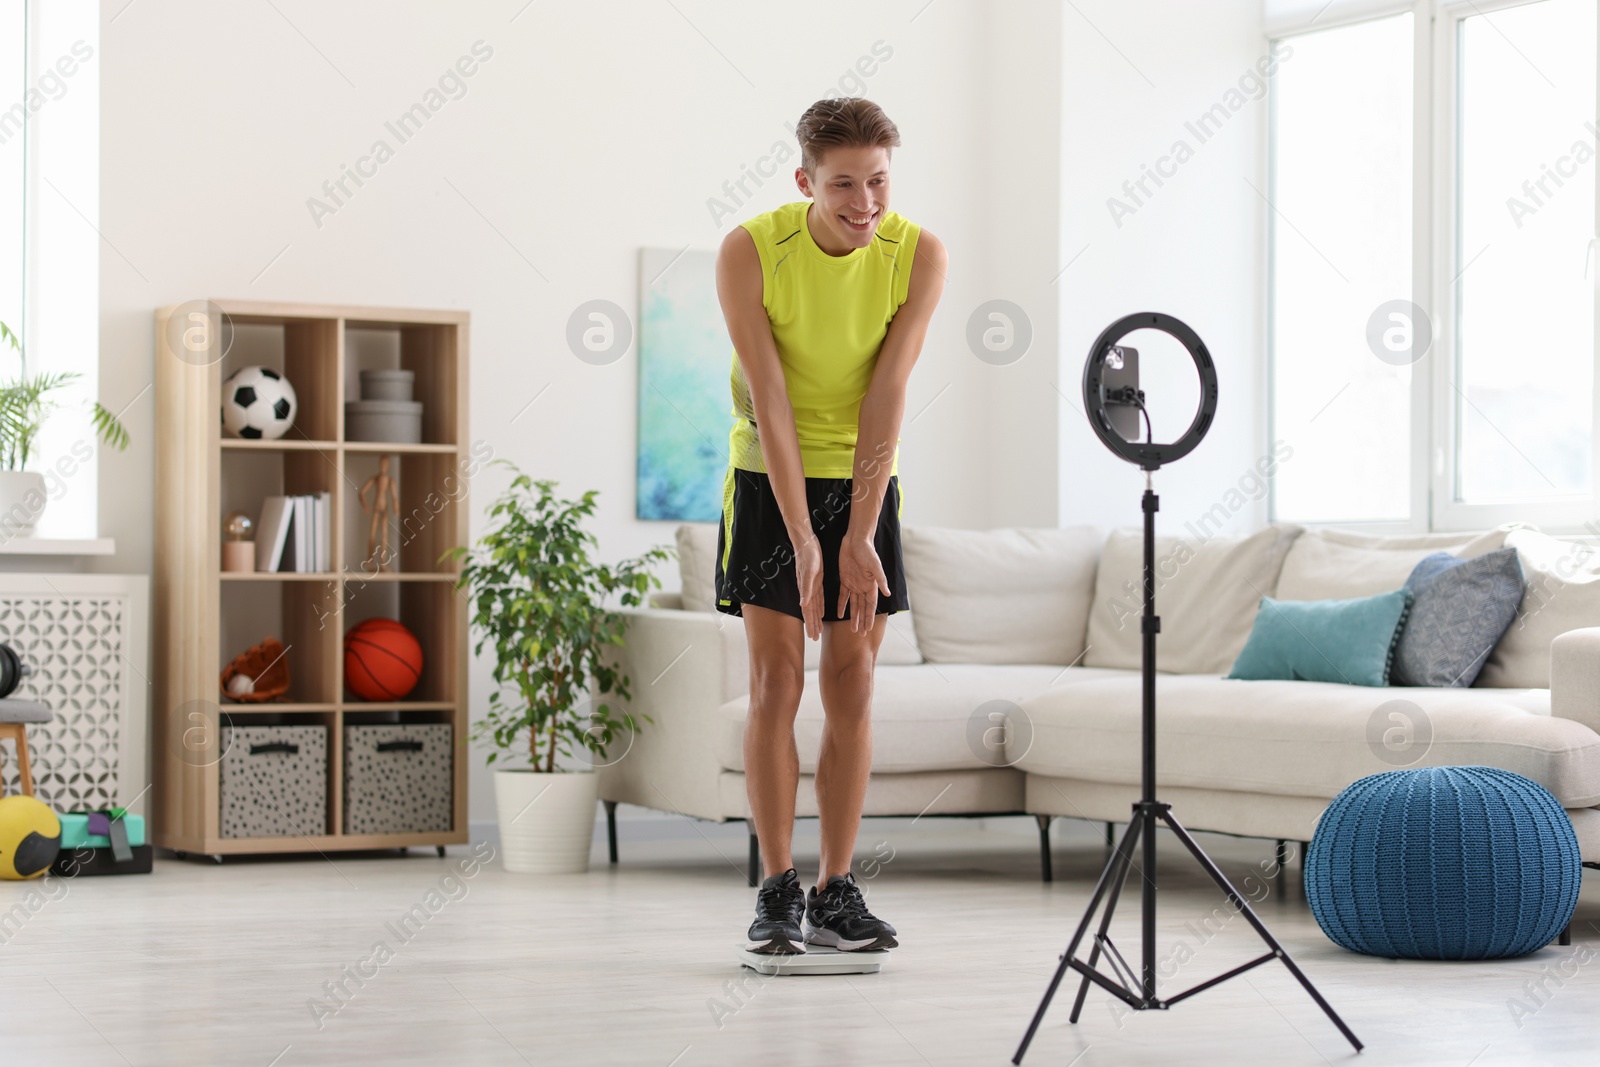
59 546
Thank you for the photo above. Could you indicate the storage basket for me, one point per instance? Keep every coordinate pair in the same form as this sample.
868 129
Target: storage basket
274 781
397 778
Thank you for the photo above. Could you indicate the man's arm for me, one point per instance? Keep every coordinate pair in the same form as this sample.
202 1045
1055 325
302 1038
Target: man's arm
878 425
739 289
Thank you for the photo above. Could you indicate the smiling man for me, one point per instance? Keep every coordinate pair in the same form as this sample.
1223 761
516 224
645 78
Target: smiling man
827 301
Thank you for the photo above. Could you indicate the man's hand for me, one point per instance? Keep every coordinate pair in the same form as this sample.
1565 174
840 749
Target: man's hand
808 575
860 578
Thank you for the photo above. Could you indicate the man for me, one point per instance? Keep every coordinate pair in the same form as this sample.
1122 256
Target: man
827 302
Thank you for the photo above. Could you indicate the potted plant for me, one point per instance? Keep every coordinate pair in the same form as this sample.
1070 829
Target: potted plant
538 598
24 404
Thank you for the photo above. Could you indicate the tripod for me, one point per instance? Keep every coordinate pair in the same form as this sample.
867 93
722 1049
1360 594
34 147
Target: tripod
1139 991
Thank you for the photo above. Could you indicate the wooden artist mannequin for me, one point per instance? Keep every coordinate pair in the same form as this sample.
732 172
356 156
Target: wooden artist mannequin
378 529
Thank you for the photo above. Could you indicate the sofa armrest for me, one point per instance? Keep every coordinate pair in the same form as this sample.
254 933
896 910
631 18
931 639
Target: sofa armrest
1575 677
681 667
666 600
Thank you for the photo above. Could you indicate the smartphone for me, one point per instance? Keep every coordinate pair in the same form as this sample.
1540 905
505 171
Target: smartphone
1121 371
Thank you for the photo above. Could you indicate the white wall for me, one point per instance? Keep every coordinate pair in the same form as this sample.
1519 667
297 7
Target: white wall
1019 194
598 128
1133 76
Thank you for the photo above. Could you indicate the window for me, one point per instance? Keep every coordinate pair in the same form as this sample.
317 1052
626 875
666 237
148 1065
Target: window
49 236
1525 204
13 79
1432 270
1340 194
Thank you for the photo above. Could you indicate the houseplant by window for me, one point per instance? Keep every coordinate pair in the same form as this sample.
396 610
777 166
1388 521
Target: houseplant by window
538 598
25 402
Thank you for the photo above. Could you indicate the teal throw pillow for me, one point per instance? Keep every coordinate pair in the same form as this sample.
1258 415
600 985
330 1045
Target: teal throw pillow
1350 641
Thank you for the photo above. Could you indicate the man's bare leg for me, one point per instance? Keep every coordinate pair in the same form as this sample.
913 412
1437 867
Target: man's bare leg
771 762
845 761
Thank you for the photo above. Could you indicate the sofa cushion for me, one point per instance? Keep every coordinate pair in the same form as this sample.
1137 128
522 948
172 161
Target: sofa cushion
1350 641
928 717
1335 564
1304 738
1207 593
1562 593
697 570
1009 595
1459 610
898 648
697 565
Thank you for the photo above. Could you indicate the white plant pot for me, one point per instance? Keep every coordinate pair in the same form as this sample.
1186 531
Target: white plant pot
22 501
546 820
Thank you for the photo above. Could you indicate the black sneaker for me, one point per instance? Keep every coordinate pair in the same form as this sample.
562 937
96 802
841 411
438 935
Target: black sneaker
780 906
838 917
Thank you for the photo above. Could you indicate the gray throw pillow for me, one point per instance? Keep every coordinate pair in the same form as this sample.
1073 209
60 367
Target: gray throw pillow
1460 608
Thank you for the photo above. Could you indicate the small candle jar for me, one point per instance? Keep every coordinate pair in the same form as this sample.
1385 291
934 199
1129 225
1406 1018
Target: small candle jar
238 548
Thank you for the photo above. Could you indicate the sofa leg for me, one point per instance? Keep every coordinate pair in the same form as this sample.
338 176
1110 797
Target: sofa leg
1282 854
1044 846
1110 836
611 827
755 859
1566 935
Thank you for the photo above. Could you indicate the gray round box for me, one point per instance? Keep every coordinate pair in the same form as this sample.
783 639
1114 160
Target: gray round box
387 384
396 421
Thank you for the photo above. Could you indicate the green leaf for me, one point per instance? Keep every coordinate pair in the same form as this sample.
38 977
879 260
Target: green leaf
111 431
539 599
25 404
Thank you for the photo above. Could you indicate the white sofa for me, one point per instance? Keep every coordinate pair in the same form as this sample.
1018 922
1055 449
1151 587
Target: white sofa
1012 686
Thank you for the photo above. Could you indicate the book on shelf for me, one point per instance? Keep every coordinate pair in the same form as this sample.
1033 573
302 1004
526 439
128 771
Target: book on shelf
272 532
295 534
296 561
324 532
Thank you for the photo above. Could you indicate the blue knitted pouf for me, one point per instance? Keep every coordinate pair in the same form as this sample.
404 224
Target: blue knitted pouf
1443 863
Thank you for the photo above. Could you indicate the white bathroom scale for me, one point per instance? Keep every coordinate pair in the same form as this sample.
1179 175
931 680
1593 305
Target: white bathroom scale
816 959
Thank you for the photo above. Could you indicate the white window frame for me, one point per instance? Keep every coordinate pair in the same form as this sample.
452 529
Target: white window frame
60 327
1435 127
1553 516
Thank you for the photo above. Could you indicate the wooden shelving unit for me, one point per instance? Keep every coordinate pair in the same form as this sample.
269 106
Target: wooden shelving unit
204 617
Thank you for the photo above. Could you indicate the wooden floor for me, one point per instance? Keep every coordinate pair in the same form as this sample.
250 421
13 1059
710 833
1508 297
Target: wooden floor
235 964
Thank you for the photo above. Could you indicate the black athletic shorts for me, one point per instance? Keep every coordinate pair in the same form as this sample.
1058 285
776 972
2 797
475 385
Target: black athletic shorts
755 558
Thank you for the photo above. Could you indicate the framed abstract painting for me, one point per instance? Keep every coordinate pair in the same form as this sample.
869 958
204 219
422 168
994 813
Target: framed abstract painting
684 401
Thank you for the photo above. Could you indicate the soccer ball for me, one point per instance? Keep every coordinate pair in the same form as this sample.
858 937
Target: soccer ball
258 403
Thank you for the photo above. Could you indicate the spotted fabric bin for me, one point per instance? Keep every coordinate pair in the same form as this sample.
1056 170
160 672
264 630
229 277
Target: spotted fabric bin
397 778
274 781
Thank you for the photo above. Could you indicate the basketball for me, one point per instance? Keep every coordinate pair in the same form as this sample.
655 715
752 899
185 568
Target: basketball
382 660
30 837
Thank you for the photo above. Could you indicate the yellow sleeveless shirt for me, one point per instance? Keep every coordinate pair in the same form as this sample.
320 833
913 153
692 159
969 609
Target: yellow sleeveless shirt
829 316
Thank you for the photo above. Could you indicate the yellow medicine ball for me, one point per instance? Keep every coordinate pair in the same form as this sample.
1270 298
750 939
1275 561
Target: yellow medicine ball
30 837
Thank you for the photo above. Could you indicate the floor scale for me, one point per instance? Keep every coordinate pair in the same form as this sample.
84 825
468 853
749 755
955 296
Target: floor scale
816 959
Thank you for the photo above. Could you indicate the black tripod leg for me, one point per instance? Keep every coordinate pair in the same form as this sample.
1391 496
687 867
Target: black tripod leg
1125 857
1072 947
1243 905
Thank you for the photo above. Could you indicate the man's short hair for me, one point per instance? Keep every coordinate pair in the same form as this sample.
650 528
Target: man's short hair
849 122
